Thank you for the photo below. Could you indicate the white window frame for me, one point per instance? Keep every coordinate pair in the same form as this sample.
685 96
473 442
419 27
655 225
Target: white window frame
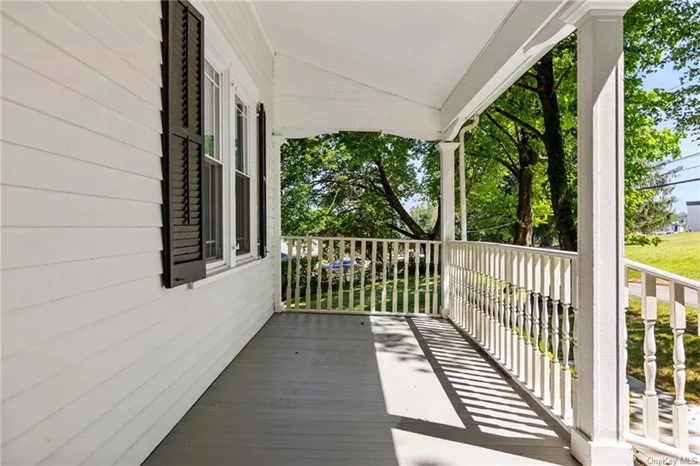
235 81
251 143
223 146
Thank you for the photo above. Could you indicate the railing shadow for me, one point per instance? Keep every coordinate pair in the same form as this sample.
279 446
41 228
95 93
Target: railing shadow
495 412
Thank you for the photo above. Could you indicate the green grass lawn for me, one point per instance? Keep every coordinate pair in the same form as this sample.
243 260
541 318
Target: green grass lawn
333 304
678 253
664 349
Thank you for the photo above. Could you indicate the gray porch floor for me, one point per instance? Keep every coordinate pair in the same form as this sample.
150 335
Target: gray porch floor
314 389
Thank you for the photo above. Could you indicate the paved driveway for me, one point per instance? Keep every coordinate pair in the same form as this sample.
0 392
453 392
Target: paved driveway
662 293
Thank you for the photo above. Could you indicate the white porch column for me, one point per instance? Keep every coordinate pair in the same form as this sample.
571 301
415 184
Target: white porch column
447 212
598 435
275 162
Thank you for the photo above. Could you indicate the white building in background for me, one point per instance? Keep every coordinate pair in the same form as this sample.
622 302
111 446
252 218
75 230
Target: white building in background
693 220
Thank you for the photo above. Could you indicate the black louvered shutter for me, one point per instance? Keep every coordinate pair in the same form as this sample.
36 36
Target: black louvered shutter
262 182
183 150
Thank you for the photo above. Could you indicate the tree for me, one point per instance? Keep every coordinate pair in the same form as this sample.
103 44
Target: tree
657 34
354 183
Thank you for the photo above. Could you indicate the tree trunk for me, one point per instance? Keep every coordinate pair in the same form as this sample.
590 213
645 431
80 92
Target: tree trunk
523 224
528 157
416 232
554 145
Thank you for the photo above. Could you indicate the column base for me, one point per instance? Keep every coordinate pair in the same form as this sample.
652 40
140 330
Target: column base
607 452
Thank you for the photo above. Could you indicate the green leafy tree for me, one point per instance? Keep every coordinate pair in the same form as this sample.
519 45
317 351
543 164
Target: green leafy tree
356 184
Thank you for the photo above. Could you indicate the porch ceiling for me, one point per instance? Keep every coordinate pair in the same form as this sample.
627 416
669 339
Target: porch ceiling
407 67
415 50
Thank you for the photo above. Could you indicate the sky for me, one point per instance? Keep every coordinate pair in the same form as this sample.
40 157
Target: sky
667 79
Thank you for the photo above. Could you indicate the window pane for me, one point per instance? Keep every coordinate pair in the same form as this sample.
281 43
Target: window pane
241 136
213 231
213 171
211 113
242 214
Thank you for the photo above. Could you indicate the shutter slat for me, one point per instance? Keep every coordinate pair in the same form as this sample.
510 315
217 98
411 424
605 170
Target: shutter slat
183 39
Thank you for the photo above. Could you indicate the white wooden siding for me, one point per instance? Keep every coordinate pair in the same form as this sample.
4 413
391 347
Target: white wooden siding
99 360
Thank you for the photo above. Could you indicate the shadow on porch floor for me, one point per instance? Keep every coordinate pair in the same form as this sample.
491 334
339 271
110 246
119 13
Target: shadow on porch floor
352 390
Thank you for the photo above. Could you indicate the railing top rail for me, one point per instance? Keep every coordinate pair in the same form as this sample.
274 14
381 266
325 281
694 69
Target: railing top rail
550 252
672 277
347 238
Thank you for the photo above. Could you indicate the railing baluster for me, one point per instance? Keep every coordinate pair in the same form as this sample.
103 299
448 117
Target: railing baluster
385 259
363 270
468 252
544 291
428 247
680 408
351 297
454 273
405 276
394 290
309 252
521 316
528 297
468 308
507 264
331 259
574 340
290 243
416 280
341 273
514 361
625 352
555 374
373 264
537 325
461 261
319 274
650 409
501 306
566 407
436 285
297 273
478 301
492 300
483 302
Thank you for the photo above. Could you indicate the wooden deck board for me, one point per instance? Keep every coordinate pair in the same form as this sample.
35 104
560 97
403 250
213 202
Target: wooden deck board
314 389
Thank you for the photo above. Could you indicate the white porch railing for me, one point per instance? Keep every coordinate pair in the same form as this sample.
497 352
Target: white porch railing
358 275
519 304
650 425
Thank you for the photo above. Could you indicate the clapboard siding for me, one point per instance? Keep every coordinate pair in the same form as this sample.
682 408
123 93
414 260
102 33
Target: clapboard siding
32 51
65 315
62 138
99 359
33 285
30 89
57 245
45 21
77 176
58 209
93 21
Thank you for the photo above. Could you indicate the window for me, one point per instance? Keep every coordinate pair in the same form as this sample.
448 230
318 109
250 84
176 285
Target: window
242 194
213 167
